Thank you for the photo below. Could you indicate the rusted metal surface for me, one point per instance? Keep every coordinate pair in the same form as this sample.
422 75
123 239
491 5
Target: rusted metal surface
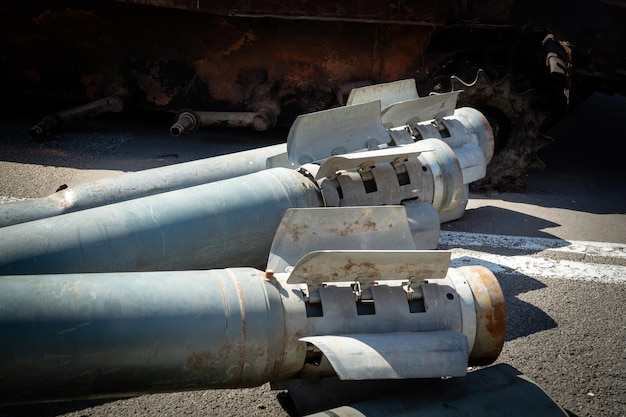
205 61
232 56
490 315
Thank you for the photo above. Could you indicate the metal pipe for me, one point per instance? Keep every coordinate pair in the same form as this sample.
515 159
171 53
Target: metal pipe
189 120
115 103
138 184
102 335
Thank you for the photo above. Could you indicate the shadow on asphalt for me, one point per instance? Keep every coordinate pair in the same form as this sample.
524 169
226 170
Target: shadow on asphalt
501 221
523 319
52 409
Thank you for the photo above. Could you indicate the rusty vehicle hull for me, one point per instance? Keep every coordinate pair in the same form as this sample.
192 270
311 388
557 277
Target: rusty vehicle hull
296 57
170 59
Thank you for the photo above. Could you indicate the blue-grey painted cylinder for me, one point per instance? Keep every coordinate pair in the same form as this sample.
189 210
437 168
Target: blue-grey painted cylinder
139 184
97 335
222 224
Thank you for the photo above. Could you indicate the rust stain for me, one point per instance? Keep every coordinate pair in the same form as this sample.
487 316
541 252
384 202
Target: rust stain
361 225
201 361
244 329
153 87
246 38
491 320
92 83
362 269
370 225
496 321
496 326
225 349
307 59
301 74
297 230
224 303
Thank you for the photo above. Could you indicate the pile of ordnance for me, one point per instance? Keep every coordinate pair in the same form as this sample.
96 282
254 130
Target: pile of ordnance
310 265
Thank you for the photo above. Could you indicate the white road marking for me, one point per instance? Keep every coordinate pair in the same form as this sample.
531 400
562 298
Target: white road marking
542 259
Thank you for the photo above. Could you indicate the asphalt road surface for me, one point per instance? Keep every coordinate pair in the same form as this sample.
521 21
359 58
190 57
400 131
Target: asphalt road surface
558 248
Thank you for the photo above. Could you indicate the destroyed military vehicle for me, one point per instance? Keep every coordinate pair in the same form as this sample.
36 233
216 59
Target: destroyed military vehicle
521 62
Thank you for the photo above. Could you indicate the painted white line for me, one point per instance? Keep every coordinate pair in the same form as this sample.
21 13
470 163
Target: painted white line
532 245
544 258
538 267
